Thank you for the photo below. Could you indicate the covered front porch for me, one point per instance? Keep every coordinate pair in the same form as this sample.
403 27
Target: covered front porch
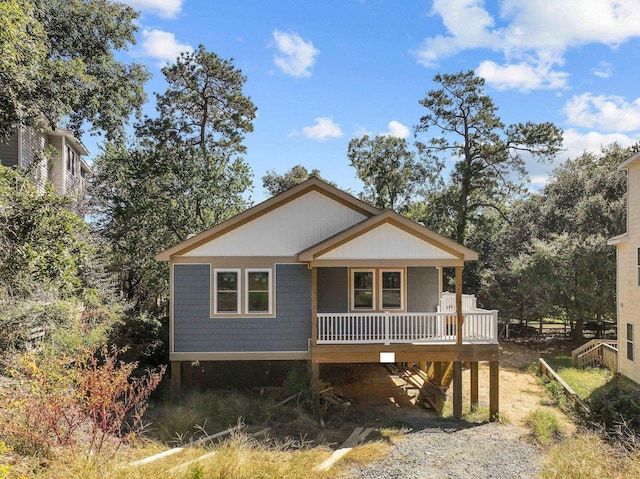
377 297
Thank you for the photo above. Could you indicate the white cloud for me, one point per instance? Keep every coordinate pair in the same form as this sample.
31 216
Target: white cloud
324 128
467 22
296 57
603 112
603 70
398 130
538 181
536 33
576 143
162 45
521 76
162 8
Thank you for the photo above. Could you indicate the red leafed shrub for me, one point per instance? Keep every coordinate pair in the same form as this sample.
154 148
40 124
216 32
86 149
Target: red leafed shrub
85 402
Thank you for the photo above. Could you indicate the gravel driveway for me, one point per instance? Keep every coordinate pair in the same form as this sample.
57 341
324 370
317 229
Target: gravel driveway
455 450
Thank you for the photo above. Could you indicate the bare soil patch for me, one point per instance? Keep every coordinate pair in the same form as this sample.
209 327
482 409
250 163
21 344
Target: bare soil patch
378 395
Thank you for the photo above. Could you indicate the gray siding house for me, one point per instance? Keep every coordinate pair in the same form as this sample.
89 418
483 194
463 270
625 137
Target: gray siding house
315 274
67 171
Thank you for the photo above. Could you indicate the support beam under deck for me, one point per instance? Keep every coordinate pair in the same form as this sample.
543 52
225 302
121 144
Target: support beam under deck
457 390
494 392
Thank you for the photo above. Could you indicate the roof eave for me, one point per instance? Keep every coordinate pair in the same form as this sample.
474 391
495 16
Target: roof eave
620 239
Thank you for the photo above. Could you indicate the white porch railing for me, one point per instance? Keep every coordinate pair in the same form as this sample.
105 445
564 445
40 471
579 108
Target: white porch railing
479 327
448 303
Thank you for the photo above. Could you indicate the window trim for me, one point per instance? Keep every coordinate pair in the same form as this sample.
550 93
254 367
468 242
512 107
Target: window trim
352 289
269 291
629 342
403 288
238 271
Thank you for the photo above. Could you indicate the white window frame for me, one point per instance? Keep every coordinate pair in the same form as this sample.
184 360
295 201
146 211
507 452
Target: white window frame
238 291
402 288
246 292
630 341
638 264
352 285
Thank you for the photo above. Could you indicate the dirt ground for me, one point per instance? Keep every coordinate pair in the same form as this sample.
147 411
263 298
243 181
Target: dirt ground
378 395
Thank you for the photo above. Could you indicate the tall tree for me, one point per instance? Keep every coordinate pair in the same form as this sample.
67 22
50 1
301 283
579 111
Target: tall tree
489 166
57 63
553 259
389 170
184 173
275 184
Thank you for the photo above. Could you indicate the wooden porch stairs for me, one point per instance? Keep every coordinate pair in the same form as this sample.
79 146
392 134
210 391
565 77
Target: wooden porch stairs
591 354
432 383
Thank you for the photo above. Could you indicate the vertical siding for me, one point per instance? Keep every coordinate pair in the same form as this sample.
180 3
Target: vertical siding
286 230
422 289
333 290
196 331
628 289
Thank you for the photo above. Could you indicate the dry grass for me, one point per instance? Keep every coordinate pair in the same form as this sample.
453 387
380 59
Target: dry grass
238 458
586 456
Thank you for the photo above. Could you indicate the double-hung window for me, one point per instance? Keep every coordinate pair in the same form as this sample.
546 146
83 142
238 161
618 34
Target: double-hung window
227 291
258 291
638 263
630 341
363 289
391 296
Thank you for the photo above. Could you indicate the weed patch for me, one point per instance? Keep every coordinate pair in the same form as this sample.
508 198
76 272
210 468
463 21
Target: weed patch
545 427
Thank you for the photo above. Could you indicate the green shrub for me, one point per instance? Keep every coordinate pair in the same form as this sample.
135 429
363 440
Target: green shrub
615 402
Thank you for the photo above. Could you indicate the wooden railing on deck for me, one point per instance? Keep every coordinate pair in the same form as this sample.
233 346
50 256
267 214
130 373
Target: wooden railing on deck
388 328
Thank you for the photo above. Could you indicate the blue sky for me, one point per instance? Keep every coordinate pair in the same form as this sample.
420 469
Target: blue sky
324 72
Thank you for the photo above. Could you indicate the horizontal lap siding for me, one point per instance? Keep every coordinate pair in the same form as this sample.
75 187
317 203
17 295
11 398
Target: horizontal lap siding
196 331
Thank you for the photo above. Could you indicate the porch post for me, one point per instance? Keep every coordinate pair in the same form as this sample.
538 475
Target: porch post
457 390
314 307
459 316
474 385
315 367
494 395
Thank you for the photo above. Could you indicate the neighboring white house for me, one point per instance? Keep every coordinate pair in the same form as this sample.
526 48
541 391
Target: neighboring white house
68 170
628 276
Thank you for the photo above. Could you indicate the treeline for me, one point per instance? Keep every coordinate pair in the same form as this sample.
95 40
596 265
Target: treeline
183 170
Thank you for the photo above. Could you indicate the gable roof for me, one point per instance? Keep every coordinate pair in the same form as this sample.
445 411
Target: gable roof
403 236
385 234
625 164
312 184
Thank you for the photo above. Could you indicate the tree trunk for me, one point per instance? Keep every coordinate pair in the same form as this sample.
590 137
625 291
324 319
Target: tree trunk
578 329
